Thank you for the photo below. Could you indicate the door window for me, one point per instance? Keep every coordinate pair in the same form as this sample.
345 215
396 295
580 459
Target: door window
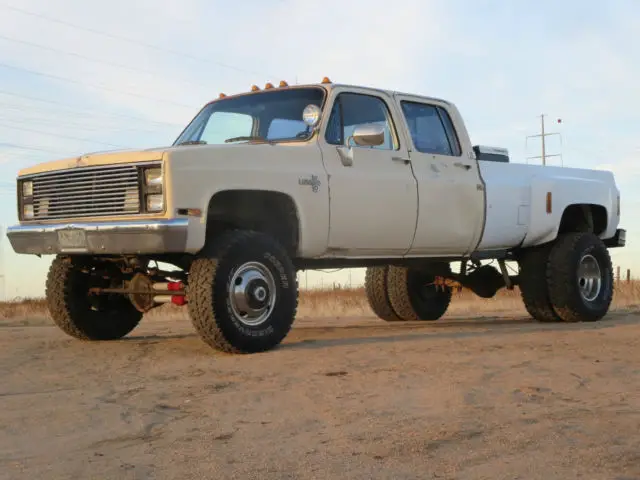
431 129
351 110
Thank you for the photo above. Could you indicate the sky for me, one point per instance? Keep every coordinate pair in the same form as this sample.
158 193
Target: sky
79 77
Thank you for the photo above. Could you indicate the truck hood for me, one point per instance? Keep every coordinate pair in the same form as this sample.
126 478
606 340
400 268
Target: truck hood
97 158
113 157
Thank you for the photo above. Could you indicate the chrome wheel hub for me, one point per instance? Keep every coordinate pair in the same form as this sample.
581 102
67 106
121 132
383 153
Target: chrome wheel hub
589 278
252 293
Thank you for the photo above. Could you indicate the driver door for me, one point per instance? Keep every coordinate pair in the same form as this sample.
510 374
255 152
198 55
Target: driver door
373 192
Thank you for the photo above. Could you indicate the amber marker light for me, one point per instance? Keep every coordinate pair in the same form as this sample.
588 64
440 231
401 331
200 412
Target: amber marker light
283 84
326 80
254 88
268 86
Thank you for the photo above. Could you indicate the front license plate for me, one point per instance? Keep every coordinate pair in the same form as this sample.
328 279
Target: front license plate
72 238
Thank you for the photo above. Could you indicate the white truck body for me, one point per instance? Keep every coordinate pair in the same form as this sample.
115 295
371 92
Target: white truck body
381 206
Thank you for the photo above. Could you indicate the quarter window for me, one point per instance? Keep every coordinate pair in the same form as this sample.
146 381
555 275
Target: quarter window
351 110
431 129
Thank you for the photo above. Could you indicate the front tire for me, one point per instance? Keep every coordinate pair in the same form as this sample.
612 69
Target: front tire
413 295
107 317
580 277
243 299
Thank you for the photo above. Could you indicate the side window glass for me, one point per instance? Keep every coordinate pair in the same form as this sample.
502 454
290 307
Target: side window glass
427 131
451 132
352 110
223 125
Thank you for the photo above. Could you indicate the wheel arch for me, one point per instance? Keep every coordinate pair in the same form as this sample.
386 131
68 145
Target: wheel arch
268 211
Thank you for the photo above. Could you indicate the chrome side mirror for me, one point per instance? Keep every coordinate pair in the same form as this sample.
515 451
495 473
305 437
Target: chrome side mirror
368 135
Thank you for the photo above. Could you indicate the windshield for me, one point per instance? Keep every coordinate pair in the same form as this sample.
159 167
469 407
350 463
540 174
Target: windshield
272 115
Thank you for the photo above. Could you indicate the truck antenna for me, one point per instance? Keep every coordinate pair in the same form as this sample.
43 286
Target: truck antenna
543 136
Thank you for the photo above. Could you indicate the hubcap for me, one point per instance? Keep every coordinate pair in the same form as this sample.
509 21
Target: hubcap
252 293
589 278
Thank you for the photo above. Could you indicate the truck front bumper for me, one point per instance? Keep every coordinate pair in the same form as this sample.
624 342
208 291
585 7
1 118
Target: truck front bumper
126 237
618 240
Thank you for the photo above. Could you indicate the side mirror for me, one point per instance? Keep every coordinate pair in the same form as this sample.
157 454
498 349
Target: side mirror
368 135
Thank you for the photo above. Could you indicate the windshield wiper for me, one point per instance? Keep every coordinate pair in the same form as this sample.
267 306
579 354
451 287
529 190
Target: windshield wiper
193 142
239 139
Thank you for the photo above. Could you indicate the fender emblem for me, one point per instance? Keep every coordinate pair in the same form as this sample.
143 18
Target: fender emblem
314 181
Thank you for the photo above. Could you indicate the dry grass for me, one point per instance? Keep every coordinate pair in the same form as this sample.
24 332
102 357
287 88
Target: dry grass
343 302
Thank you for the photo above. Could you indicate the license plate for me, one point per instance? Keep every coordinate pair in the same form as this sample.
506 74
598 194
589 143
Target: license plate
72 238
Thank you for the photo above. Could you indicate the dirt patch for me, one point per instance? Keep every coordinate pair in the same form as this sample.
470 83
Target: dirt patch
497 397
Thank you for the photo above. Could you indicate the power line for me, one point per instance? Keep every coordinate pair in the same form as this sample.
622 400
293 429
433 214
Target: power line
81 110
45 119
111 64
35 149
70 80
62 136
130 40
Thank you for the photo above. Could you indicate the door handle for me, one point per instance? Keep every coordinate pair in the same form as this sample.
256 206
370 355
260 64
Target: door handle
462 165
400 159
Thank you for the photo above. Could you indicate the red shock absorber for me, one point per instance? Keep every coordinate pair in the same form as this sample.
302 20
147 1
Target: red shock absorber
177 299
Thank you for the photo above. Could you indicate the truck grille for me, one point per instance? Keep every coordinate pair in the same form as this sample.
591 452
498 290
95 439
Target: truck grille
87 192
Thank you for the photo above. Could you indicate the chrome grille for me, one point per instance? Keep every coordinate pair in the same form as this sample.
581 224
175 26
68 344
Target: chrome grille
87 192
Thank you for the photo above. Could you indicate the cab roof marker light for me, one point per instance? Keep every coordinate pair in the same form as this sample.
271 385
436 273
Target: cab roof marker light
255 88
326 80
283 84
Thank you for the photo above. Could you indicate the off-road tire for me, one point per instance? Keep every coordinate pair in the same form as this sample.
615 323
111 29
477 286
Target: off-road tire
533 284
405 298
71 309
376 289
209 304
564 284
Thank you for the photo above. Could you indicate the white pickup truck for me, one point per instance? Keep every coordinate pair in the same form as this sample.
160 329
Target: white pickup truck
286 178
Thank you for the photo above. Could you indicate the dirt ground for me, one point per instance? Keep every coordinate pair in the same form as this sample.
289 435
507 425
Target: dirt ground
484 398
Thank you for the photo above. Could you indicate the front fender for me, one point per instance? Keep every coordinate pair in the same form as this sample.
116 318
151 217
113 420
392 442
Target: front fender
196 174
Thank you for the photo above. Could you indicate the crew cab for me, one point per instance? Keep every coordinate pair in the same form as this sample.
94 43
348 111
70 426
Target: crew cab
265 183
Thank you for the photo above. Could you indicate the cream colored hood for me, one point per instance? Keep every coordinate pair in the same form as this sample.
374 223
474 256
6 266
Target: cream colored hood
98 158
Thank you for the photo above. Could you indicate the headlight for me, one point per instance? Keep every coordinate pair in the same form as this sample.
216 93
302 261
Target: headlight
153 189
155 202
27 189
25 200
153 176
27 211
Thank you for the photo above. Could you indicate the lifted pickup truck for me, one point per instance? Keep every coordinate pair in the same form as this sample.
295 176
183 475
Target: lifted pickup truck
262 184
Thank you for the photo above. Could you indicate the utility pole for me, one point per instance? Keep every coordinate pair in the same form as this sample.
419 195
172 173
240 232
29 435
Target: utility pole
543 135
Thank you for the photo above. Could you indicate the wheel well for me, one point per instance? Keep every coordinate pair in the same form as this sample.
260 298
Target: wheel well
265 211
584 218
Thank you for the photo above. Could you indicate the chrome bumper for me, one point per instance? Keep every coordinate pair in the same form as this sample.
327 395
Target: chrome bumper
127 237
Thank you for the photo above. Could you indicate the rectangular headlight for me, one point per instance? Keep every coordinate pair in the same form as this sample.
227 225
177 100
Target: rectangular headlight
27 189
153 176
155 203
27 212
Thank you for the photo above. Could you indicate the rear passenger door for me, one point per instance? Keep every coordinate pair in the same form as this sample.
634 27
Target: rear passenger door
450 190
